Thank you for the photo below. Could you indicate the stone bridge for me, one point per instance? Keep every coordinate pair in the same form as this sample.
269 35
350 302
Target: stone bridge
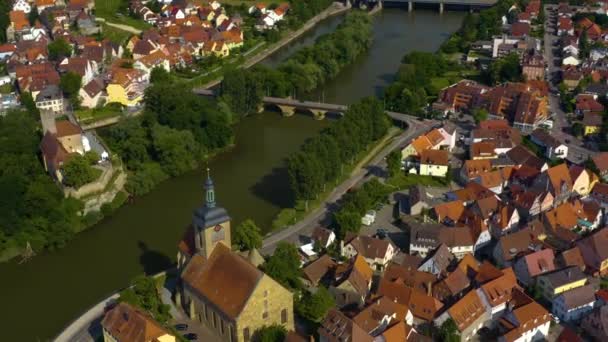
319 110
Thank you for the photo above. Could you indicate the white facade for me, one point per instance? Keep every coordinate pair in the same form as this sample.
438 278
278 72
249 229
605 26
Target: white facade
22 5
571 60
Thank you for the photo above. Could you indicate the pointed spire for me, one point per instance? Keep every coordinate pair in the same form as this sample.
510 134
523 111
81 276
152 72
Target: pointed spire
209 191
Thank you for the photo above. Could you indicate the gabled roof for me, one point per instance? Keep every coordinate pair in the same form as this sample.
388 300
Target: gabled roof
127 324
564 276
337 327
578 297
450 210
540 262
434 157
467 310
226 279
421 143
369 247
498 291
318 268
559 176
472 168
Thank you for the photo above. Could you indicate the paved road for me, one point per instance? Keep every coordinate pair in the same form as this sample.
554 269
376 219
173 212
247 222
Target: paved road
313 219
123 27
577 153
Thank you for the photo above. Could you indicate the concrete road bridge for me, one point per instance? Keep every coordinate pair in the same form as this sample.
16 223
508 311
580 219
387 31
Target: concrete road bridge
472 4
319 110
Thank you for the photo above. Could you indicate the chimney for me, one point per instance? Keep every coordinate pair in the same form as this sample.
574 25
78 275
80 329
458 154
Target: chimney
47 118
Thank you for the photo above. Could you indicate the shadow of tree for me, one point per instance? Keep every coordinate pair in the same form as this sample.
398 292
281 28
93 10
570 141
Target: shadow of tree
274 188
152 261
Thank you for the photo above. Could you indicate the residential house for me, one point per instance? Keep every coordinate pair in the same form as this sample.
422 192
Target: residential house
92 94
556 180
587 103
533 66
315 272
595 324
51 99
449 213
473 168
520 155
382 313
483 150
497 292
422 198
600 160
594 251
452 286
504 221
425 238
376 252
460 97
554 283
572 305
525 320
434 163
565 27
7 50
323 236
552 147
60 140
416 147
438 261
571 257
469 314
510 246
592 123
156 59
83 67
86 24
352 282
424 307
125 323
338 327
528 267
574 214
126 86
22 5
583 180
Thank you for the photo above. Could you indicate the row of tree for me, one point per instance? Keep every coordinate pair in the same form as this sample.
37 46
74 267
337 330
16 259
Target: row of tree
321 159
178 130
306 70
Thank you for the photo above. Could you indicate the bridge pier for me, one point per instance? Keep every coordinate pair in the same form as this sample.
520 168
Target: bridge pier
287 110
441 8
410 6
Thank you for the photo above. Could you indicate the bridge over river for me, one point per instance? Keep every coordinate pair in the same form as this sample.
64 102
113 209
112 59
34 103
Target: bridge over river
472 4
319 110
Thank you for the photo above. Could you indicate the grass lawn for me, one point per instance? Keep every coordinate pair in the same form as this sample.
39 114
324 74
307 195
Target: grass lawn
403 181
88 115
440 82
111 10
117 36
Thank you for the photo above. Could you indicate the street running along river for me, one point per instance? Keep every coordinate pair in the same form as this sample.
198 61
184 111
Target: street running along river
40 297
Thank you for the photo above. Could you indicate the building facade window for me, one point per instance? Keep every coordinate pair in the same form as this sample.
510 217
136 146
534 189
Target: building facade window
284 316
246 335
265 315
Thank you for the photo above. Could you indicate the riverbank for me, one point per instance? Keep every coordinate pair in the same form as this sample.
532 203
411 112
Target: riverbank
333 10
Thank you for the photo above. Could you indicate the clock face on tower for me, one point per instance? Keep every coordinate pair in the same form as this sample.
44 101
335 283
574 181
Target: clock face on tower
217 234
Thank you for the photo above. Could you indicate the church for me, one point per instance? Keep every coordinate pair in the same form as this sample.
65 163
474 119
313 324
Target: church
221 289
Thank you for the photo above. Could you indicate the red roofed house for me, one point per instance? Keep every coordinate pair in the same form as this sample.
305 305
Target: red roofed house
534 264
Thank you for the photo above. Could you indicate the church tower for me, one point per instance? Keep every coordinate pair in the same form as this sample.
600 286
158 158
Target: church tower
210 222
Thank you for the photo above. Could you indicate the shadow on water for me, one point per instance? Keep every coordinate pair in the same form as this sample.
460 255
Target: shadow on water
274 188
152 261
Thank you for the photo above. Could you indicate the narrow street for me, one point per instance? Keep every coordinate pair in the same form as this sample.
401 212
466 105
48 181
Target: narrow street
577 153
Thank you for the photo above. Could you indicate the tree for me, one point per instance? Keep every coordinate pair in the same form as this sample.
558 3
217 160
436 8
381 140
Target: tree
577 129
480 114
59 49
92 157
159 75
449 331
272 333
247 236
176 150
33 15
393 163
30 105
77 172
70 83
143 294
5 8
284 265
584 45
314 307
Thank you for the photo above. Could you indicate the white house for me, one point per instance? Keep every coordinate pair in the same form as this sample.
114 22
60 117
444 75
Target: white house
571 59
572 305
434 163
5 80
22 5
376 252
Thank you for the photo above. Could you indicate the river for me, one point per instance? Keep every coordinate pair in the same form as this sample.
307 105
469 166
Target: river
40 297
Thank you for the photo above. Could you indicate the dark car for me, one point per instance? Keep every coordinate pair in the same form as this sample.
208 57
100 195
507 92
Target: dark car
381 233
191 336
181 327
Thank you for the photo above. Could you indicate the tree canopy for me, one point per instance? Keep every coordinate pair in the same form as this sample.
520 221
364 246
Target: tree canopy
393 163
59 49
506 69
144 294
314 306
247 236
272 333
77 171
284 265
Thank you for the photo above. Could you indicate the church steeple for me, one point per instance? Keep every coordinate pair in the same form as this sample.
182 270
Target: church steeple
209 191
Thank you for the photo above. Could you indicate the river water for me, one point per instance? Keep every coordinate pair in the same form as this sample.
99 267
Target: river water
40 297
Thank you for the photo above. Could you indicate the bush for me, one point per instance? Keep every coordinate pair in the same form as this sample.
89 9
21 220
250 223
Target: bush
77 171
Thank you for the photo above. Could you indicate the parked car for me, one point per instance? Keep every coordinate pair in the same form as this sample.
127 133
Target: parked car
181 327
381 233
191 336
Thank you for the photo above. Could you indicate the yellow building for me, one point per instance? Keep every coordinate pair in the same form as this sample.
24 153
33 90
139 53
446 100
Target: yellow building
553 283
416 147
434 163
125 323
221 289
592 123
583 180
126 86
